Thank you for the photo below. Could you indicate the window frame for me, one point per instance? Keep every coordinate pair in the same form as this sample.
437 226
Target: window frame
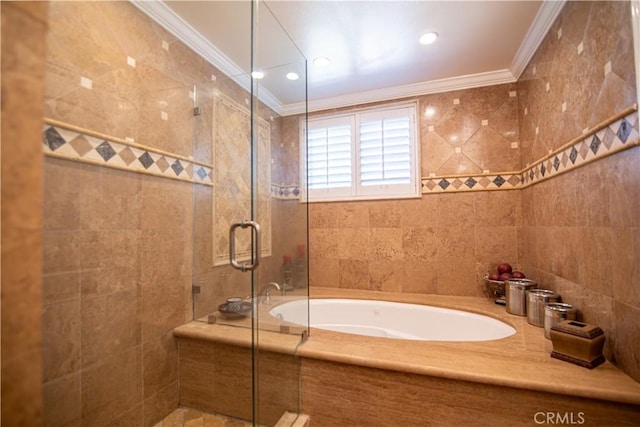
357 191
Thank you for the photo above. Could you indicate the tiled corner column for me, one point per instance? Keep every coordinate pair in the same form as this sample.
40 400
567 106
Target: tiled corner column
580 229
23 57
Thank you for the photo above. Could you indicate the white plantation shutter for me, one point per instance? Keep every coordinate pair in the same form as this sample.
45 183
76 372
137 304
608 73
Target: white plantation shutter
330 157
367 154
385 152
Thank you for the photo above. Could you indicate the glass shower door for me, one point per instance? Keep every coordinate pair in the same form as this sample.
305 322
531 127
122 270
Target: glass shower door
250 226
278 73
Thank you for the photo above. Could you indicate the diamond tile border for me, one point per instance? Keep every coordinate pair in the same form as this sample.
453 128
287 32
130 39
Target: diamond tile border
70 142
614 135
481 182
286 192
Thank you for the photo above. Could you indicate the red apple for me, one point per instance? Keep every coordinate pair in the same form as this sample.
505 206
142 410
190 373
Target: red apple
504 268
518 275
505 276
494 276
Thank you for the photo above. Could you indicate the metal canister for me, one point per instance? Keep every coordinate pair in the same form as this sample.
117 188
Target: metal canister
536 300
515 292
556 312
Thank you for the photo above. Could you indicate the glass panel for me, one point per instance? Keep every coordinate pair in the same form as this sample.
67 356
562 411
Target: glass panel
221 138
128 203
222 126
239 131
152 152
283 275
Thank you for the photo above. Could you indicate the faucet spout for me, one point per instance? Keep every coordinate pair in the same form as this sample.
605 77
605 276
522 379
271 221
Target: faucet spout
264 294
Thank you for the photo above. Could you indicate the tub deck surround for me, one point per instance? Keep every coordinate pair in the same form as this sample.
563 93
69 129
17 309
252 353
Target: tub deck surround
521 361
239 336
216 363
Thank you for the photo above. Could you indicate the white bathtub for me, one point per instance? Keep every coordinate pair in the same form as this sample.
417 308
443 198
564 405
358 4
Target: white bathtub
392 320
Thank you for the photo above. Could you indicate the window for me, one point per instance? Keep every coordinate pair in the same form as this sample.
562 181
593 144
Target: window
368 154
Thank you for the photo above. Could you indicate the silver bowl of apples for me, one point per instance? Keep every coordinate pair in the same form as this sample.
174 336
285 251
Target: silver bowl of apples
495 286
496 281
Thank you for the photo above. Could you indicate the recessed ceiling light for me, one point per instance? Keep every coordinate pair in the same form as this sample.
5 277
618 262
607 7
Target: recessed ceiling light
321 61
428 38
257 75
293 76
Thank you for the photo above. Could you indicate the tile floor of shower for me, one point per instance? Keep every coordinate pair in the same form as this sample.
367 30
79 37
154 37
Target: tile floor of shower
187 417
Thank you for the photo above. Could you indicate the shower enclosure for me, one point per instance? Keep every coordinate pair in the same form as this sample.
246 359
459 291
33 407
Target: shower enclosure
162 145
250 229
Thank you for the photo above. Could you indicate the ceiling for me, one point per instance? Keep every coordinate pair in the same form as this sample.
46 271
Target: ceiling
373 45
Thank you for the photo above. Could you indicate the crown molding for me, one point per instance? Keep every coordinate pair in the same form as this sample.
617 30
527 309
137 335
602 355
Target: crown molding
546 16
549 11
169 20
164 16
405 91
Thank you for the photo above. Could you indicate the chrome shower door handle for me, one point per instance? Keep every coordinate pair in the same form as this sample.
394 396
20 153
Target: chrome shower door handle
255 229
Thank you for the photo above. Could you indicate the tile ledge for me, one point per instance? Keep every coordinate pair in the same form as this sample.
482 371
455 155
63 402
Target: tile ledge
528 353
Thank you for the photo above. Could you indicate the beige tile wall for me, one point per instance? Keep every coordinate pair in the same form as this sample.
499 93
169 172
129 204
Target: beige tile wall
469 131
580 232
24 26
442 243
439 243
116 270
582 73
121 249
118 246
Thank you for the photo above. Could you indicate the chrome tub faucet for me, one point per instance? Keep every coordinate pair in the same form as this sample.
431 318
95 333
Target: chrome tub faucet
264 294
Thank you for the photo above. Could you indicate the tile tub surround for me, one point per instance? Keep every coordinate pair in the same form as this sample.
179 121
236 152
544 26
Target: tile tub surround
372 397
438 244
504 382
581 74
216 365
512 372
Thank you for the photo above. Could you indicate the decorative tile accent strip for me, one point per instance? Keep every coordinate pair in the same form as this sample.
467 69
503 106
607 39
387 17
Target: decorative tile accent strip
616 136
68 142
286 192
602 141
480 182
